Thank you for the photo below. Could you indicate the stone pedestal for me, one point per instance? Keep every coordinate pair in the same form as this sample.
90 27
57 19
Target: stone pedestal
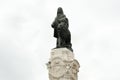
62 65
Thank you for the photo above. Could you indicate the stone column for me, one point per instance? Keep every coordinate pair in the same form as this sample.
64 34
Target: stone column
62 65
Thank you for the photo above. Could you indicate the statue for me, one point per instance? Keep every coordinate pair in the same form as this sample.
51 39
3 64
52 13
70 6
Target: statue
61 31
62 65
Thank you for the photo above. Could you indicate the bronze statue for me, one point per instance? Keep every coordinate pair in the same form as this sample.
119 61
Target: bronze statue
61 31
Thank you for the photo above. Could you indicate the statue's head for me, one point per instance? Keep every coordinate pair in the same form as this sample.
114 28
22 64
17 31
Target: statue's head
60 11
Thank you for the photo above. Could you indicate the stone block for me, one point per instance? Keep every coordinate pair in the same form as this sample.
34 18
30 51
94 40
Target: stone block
62 65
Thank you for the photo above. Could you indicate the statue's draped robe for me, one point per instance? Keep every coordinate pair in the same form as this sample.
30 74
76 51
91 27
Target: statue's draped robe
61 31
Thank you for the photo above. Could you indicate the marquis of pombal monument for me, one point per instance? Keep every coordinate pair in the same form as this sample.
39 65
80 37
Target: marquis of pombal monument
62 65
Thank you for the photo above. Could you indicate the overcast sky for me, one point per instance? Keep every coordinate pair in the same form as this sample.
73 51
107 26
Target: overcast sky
26 37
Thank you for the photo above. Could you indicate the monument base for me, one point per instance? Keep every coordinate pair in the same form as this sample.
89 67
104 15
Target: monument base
62 65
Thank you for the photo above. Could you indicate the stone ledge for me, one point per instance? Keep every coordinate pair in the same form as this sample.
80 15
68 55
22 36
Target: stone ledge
63 53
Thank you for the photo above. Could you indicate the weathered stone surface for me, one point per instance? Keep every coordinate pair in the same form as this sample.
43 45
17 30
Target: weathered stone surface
62 53
62 65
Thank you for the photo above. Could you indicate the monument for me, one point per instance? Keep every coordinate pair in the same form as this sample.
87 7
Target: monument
62 65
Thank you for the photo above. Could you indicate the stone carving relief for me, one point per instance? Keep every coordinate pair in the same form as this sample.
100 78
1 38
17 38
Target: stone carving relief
62 68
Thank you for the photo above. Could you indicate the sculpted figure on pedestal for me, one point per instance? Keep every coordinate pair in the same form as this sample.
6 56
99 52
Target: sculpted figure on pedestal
61 31
62 65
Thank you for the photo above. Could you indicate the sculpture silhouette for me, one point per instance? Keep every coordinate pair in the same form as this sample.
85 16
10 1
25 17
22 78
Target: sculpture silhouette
61 31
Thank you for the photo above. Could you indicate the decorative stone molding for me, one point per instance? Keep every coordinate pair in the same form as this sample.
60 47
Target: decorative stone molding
62 65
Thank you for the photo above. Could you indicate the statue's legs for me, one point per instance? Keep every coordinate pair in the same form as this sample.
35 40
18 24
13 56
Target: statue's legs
58 42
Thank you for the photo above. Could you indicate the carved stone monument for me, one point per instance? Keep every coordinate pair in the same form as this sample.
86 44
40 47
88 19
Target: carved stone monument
62 65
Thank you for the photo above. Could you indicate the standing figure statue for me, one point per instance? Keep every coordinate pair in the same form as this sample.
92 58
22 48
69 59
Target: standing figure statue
61 31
